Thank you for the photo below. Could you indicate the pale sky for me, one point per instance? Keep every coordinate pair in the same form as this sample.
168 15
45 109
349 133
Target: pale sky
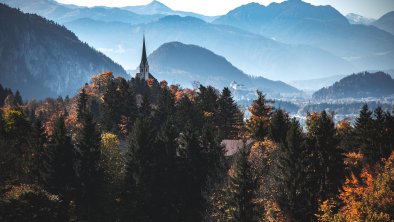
368 8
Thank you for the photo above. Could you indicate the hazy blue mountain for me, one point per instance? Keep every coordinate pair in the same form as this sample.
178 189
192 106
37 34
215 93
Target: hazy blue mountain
252 53
62 13
182 64
297 22
359 19
41 58
361 85
156 7
386 22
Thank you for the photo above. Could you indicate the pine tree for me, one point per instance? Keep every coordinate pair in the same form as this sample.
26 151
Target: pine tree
291 177
138 163
325 159
90 177
363 134
207 102
227 117
258 123
279 125
18 98
40 166
242 191
192 173
110 107
63 179
82 108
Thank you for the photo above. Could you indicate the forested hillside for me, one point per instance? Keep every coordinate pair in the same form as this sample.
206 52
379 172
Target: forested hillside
361 85
41 58
136 150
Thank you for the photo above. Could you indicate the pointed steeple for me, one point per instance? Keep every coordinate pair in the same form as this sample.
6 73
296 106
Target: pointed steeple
144 67
144 59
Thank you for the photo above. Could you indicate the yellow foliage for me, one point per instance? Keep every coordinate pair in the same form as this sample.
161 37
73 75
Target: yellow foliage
370 198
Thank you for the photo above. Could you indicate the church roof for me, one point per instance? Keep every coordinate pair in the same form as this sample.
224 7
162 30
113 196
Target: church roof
144 59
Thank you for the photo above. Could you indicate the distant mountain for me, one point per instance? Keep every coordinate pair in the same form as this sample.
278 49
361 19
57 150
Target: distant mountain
183 64
252 53
62 13
41 58
158 8
386 22
359 19
359 85
297 22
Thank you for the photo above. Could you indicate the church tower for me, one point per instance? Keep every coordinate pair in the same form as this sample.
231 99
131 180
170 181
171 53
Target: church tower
144 66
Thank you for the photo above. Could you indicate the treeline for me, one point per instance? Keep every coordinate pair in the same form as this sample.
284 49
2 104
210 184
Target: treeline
145 151
344 108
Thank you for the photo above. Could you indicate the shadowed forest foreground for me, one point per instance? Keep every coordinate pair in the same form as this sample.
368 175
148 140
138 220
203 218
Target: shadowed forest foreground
135 150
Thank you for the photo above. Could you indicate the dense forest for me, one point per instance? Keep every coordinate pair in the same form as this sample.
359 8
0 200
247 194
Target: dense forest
135 150
360 85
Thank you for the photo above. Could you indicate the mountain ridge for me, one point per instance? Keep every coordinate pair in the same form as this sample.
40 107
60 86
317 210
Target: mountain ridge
41 58
360 85
184 63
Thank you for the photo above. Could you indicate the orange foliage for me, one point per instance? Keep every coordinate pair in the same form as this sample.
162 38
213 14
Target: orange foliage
150 82
370 198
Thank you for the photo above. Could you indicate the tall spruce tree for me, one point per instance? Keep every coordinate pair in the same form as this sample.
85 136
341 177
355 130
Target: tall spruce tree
363 130
63 180
40 166
242 190
279 125
82 106
227 118
136 198
292 193
325 159
90 177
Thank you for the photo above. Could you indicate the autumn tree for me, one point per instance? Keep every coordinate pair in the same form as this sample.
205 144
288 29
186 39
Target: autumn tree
258 124
369 197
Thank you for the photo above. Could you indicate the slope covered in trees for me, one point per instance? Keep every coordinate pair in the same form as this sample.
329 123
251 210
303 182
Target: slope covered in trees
44 59
136 150
361 85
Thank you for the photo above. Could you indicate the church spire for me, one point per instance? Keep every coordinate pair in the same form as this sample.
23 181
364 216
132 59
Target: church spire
144 59
144 67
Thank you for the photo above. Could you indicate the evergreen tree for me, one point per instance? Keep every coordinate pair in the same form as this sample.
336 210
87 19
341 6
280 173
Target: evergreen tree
18 98
279 125
110 107
82 108
40 166
206 101
364 134
292 193
138 164
192 173
381 140
227 117
90 177
63 179
258 124
165 106
242 191
325 161
186 112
